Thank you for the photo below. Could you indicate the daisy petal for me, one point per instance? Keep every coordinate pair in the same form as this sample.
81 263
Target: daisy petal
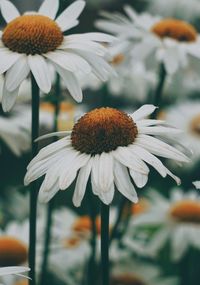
17 73
107 196
13 270
8 58
40 71
9 98
123 182
49 8
46 196
8 10
81 183
71 83
139 178
143 112
70 15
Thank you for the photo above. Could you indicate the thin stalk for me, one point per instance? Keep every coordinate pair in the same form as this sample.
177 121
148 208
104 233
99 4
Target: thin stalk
34 185
47 240
105 244
92 212
159 90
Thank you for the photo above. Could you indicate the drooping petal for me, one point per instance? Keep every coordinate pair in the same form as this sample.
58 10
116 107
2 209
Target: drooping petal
139 178
81 183
17 73
8 10
8 58
45 196
9 98
49 8
40 71
123 182
70 15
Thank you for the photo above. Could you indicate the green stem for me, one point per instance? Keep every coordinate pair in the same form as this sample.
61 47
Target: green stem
92 261
34 185
51 203
159 90
105 244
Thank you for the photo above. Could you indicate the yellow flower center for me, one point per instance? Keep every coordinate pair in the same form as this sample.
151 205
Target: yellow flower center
126 280
32 34
83 224
118 59
186 211
12 251
195 125
22 282
103 130
175 29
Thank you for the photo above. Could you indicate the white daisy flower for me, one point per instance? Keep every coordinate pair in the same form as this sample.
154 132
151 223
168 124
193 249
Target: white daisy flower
171 41
186 116
31 41
197 184
15 130
105 143
183 9
130 271
179 221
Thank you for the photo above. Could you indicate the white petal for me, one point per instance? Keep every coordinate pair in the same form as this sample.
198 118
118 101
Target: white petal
197 184
143 112
8 10
8 58
9 98
159 130
139 179
104 176
97 37
70 15
179 243
17 73
177 179
49 8
71 83
55 134
107 196
45 196
123 182
13 270
81 183
40 71
74 163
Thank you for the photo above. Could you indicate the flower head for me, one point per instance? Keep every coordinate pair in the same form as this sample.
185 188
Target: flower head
30 41
109 145
172 42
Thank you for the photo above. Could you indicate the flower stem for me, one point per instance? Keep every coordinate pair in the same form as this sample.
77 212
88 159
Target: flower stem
34 185
159 90
92 261
51 203
105 244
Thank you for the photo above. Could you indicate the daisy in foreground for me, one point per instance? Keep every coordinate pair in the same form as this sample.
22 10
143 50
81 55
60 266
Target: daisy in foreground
31 41
171 41
178 219
111 146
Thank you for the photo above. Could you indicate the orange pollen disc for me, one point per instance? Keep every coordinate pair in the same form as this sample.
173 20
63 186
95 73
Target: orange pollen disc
186 211
72 242
32 34
118 59
22 282
83 224
103 130
195 125
175 29
126 280
141 207
12 251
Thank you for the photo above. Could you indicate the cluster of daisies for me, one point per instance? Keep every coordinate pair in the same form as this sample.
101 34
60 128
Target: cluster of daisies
146 63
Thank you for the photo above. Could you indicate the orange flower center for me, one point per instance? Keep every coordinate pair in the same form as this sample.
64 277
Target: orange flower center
141 207
103 130
186 211
22 282
126 280
195 125
72 242
12 251
32 34
83 224
175 29
118 59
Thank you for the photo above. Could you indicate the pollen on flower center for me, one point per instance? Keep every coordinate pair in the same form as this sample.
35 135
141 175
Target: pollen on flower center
126 280
32 34
83 224
12 251
195 125
175 29
103 130
186 211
